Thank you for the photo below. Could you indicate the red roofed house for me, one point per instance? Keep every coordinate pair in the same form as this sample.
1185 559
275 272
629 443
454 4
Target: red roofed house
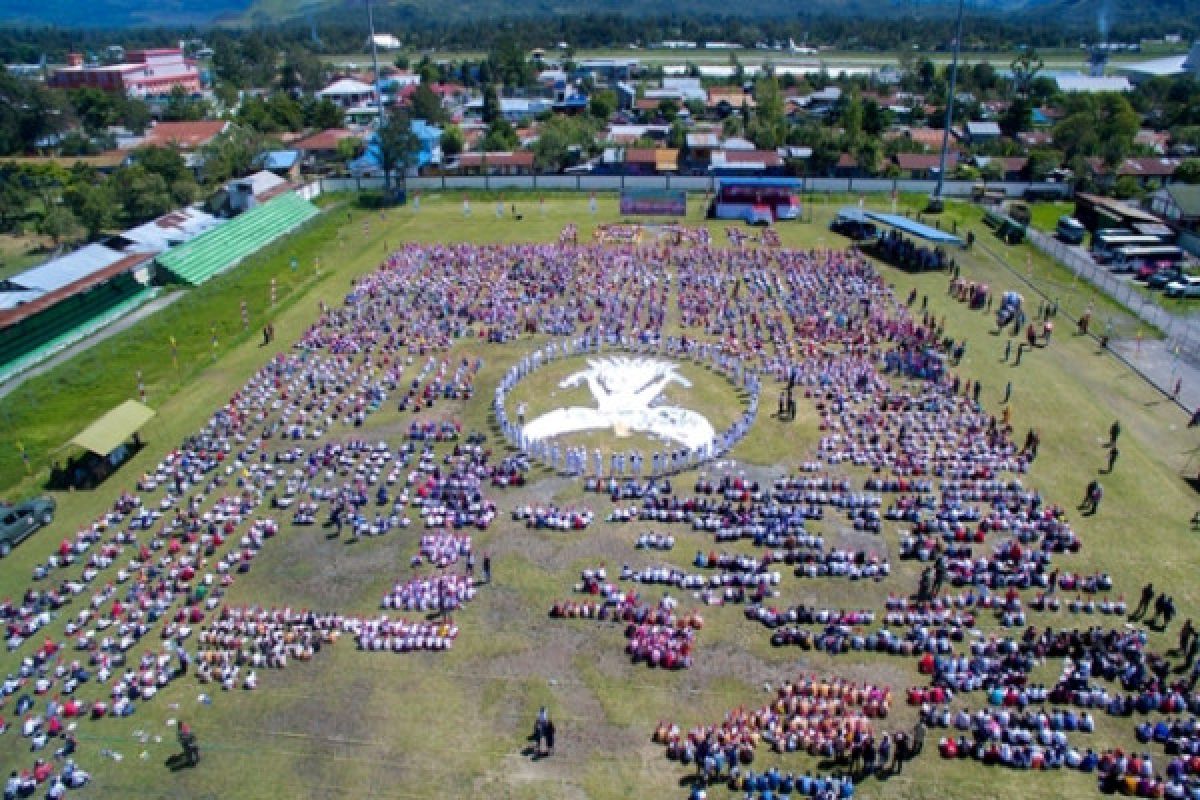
185 136
847 167
761 162
1012 168
496 163
1146 171
147 73
924 166
450 94
323 145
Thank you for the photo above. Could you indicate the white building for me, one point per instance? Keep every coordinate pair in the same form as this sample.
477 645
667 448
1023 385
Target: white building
348 93
386 41
1088 83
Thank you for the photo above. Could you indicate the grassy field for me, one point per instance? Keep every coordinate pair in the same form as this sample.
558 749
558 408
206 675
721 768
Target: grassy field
1054 59
350 724
19 253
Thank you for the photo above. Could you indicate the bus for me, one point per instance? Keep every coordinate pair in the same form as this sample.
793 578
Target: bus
1106 243
1131 259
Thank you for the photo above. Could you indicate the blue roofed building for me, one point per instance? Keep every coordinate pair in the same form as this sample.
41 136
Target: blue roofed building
429 152
284 163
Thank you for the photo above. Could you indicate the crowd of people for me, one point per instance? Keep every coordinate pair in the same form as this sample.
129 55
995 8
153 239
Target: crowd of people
877 375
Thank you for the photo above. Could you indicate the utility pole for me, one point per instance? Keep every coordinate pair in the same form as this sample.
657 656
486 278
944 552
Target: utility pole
935 202
378 91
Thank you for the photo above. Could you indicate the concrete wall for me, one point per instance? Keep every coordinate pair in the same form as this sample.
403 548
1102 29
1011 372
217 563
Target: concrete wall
698 183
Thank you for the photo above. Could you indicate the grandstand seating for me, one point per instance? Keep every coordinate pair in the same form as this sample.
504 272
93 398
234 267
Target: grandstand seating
64 317
220 248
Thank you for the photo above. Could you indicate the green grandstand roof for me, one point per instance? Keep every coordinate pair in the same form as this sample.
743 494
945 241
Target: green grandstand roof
220 248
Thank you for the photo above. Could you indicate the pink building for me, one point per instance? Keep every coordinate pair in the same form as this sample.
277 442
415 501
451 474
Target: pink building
145 73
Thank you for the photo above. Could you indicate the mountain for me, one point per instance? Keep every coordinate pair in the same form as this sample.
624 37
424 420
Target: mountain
120 13
178 13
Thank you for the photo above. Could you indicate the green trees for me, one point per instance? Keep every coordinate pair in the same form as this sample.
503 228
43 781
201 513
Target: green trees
59 224
1025 68
1017 117
426 105
232 153
603 104
28 113
322 114
1189 171
181 107
302 70
143 194
558 138
94 204
453 140
491 104
768 128
500 136
1097 125
397 146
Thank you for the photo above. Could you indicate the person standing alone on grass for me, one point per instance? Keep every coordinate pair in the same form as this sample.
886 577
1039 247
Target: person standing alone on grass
1114 432
487 568
1113 453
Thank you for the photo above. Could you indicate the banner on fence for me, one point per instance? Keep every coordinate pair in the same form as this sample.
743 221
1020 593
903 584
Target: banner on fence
654 202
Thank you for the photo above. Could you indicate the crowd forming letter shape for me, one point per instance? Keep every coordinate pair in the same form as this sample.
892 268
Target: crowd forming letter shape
625 390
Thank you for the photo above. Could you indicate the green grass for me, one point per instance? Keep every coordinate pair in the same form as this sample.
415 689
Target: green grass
1045 215
19 253
454 725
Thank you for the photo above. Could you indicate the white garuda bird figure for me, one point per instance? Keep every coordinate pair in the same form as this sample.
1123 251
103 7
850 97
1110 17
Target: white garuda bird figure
626 390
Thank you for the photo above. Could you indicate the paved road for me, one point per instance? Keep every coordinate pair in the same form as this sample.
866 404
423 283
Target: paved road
154 306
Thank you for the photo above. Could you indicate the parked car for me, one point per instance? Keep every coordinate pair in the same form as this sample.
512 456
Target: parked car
1143 271
19 522
1160 279
1070 230
1187 286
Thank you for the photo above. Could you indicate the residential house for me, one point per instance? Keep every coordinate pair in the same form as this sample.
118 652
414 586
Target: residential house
747 162
429 152
493 163
630 134
980 132
639 161
1156 141
322 147
1147 171
725 100
347 93
517 110
928 138
284 163
689 89
847 167
1179 205
1033 139
924 166
185 136
1012 168
700 147
607 71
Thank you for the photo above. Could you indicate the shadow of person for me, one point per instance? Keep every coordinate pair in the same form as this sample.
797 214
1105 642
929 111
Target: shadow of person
177 761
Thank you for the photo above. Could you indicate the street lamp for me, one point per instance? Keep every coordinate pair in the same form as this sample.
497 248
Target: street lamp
935 200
